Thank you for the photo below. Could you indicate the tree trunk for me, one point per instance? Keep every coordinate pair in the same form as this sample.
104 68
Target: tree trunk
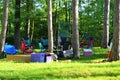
32 31
116 34
50 31
17 25
4 27
27 27
66 11
58 35
105 38
75 30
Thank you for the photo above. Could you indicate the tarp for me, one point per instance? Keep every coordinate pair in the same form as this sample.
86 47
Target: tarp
10 49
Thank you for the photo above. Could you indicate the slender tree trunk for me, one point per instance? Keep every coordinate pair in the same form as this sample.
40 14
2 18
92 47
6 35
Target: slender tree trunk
32 32
55 24
50 31
75 32
69 16
116 34
17 25
27 27
105 38
66 14
58 24
4 27
55 21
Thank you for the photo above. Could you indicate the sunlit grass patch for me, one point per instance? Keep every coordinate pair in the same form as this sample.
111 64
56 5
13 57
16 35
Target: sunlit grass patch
86 68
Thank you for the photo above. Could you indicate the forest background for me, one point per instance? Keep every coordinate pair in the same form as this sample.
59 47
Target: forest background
33 13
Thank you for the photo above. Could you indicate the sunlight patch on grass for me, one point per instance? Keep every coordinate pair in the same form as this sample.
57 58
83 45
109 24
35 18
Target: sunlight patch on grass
86 68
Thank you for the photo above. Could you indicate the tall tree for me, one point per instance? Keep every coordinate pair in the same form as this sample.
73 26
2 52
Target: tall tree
66 11
75 30
50 31
58 24
32 28
116 34
105 38
27 27
17 24
4 27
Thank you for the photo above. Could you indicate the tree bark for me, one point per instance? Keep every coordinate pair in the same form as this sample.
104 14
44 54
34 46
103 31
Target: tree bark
105 38
116 34
17 25
4 27
32 32
50 31
75 30
66 11
27 27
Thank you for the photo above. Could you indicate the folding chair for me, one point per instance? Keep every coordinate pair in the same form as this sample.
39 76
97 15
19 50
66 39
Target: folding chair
26 46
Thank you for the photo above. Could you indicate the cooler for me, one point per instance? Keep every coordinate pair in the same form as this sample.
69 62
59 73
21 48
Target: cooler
87 52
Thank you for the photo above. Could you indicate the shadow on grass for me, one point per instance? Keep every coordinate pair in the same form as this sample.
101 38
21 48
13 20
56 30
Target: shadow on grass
92 58
71 75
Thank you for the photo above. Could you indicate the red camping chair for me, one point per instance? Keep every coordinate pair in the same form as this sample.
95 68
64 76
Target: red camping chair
90 44
82 44
25 49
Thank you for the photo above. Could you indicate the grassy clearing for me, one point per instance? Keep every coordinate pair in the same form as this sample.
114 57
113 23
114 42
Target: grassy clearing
87 68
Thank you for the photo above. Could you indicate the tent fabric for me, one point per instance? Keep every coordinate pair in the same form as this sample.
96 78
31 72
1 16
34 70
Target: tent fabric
10 49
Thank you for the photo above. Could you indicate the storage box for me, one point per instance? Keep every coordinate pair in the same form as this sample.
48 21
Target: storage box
87 52
37 57
20 58
49 58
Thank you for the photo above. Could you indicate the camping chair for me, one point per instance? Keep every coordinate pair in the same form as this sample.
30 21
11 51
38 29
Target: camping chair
89 43
44 42
26 46
27 41
66 46
65 49
87 49
82 43
42 49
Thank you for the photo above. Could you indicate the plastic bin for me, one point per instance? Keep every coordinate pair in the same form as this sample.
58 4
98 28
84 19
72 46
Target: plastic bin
37 57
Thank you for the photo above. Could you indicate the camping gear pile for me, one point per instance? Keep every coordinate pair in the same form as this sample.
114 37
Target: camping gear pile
63 51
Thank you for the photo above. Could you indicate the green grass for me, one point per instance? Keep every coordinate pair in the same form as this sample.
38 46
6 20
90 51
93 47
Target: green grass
87 68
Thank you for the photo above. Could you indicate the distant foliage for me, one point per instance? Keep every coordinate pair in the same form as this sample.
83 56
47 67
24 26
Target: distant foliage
90 18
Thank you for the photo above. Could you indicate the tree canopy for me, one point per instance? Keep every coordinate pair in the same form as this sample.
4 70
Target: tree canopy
91 18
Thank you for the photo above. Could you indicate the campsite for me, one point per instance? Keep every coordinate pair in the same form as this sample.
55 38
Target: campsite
59 40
